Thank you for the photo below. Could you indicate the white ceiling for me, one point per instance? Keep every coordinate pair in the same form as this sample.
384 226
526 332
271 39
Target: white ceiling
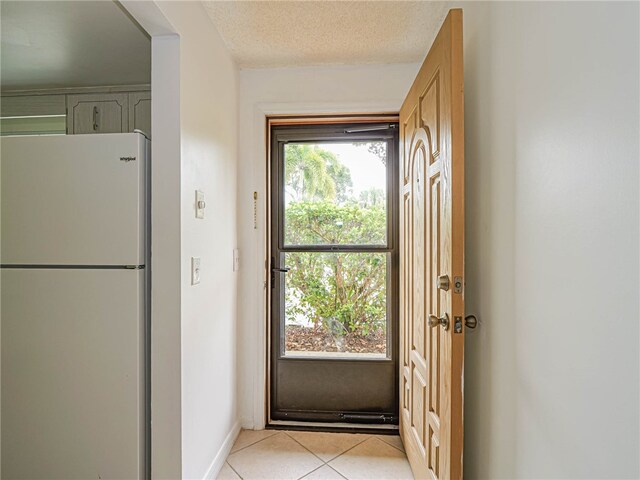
298 33
71 43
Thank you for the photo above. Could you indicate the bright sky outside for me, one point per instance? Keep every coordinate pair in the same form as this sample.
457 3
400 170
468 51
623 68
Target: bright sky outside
367 171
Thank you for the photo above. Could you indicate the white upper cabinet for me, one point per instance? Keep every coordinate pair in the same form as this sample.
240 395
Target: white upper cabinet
140 112
98 113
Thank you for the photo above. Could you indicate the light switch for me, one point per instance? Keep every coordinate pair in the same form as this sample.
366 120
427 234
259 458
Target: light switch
195 270
236 260
200 204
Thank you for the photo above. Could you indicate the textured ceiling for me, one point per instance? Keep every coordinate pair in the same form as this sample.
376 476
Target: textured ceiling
298 33
71 44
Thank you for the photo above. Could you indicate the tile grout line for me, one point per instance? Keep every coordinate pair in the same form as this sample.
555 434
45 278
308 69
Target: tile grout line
323 462
391 445
333 458
323 465
337 470
314 470
252 444
234 470
276 432
349 449
363 441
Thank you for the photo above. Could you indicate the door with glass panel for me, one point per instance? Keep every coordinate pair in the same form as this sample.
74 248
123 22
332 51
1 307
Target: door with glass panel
334 269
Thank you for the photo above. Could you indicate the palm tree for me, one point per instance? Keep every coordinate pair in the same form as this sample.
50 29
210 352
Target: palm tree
312 173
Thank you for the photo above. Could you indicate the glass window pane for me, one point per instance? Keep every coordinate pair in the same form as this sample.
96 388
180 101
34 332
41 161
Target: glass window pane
335 193
335 304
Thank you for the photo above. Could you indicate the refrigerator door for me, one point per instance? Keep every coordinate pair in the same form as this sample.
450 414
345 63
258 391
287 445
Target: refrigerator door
72 374
73 199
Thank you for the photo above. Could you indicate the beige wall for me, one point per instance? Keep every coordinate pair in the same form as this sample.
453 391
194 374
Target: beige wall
208 123
552 208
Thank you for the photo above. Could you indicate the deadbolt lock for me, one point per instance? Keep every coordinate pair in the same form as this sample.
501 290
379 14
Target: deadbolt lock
470 321
443 282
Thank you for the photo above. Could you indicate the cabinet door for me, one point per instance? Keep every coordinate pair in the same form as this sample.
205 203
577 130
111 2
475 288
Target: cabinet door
33 115
140 112
98 113
32 105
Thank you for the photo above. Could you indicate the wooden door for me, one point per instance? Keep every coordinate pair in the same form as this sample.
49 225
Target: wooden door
432 260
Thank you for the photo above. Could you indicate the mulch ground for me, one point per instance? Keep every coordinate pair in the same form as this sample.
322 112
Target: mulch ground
316 339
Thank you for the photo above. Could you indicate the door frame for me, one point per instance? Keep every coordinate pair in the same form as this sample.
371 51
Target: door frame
164 451
330 128
258 336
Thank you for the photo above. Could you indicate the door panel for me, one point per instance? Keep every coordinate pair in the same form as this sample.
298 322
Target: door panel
299 381
334 329
432 247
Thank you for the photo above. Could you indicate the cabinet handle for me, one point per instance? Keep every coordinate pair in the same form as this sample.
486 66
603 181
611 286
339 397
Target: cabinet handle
95 118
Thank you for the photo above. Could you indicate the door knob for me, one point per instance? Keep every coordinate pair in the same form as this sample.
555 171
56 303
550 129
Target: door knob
434 321
470 321
443 282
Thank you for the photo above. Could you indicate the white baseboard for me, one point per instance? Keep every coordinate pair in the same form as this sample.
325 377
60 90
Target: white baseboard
221 456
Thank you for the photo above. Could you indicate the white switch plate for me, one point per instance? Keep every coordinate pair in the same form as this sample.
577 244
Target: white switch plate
195 270
236 260
200 204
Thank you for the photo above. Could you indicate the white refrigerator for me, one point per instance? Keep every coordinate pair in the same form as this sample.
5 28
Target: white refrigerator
74 318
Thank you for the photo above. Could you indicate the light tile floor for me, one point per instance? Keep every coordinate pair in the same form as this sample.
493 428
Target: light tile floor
284 455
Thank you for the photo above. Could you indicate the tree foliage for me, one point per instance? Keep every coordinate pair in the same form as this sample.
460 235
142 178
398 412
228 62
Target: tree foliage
312 173
313 223
344 292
